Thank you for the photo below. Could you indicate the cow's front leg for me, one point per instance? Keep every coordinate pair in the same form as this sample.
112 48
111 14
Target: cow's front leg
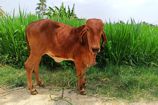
80 71
81 84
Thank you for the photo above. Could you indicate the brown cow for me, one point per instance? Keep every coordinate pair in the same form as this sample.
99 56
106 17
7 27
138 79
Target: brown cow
63 42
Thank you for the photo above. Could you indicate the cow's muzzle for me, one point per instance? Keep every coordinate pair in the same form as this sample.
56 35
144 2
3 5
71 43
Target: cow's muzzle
96 50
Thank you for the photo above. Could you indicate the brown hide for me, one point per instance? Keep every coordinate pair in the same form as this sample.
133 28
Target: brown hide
63 42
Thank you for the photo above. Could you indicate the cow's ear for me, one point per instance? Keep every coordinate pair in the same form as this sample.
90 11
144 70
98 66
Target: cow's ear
83 34
104 39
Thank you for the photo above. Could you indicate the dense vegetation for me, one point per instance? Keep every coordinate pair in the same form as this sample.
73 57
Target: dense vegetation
128 43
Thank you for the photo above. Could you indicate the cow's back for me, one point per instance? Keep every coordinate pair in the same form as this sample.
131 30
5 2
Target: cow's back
48 36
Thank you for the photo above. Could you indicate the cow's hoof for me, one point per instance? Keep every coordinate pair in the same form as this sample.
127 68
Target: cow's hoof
41 84
82 92
33 92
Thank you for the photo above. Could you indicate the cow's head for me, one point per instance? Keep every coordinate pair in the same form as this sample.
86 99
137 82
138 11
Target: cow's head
92 33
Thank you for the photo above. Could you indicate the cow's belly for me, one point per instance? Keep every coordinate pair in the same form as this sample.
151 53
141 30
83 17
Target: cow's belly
58 59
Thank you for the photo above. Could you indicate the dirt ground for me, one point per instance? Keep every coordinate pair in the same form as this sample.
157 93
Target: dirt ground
49 96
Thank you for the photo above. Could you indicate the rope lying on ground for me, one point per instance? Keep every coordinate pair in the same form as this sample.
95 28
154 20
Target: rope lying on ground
61 98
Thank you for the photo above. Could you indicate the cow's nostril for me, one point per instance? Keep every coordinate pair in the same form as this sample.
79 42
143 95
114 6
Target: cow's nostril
95 50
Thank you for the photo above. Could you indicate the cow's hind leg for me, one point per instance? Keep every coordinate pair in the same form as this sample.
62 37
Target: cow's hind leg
36 71
29 67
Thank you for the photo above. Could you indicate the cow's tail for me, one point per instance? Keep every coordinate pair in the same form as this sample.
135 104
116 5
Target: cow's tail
27 42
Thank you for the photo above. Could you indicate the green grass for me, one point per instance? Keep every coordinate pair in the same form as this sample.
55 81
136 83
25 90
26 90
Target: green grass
128 43
132 43
12 77
125 82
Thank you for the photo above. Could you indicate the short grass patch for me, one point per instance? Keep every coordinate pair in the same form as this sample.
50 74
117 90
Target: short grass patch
125 82
12 77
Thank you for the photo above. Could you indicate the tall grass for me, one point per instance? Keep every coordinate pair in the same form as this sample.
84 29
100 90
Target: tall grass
12 38
128 43
132 43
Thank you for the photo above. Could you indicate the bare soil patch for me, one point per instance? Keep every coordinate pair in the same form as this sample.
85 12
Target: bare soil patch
49 96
